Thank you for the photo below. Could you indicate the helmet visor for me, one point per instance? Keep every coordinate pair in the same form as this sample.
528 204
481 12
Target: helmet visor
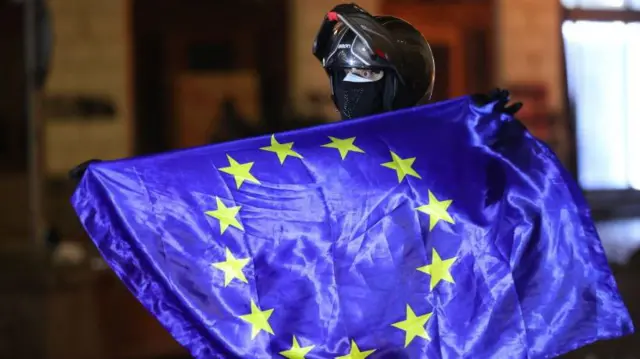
354 38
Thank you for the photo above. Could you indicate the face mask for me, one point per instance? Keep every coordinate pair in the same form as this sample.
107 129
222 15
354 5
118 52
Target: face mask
358 99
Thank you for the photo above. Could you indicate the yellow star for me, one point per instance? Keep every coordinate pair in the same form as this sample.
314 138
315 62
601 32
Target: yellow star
439 270
239 171
297 352
232 268
343 145
259 320
437 210
413 326
226 216
281 149
402 166
356 353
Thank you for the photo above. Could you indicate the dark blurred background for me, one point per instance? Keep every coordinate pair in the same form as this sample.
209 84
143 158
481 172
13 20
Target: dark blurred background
83 79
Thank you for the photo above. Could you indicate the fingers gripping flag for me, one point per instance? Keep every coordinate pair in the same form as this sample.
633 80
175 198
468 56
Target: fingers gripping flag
443 231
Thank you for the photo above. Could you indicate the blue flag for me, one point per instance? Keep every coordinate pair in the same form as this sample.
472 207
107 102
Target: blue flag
442 231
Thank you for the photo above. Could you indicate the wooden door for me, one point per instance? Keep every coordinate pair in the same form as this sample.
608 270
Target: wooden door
460 35
199 99
174 39
204 70
447 44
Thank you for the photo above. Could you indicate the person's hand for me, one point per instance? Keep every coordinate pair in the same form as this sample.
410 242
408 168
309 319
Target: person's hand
502 97
508 136
78 171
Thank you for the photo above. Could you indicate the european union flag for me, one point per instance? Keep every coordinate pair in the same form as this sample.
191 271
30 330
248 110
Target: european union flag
443 231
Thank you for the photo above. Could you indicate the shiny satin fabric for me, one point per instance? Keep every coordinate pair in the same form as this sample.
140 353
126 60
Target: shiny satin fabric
335 251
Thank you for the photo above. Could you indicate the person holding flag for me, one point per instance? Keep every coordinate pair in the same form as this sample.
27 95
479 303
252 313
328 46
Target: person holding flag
412 230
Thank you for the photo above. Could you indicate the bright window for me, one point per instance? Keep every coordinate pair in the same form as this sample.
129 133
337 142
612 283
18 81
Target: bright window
601 4
603 75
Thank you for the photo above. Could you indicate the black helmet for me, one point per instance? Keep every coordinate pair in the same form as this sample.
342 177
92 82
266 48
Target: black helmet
352 39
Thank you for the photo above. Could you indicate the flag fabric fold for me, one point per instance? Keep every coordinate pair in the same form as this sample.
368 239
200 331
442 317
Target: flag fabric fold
441 231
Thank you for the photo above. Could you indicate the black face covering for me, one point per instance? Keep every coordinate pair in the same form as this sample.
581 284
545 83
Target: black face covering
359 99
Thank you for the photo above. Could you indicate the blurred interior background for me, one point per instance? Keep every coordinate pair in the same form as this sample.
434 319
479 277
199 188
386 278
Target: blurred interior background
82 79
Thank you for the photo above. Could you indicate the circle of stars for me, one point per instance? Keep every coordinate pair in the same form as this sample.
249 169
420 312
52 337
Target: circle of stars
439 270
